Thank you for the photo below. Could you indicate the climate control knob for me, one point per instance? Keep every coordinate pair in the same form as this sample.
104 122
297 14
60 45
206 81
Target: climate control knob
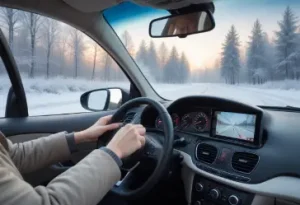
199 187
233 200
214 193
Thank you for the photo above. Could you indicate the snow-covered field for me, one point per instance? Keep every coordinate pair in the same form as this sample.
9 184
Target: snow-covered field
46 97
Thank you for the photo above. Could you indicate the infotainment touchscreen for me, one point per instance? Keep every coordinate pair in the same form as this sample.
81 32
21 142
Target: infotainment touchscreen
235 125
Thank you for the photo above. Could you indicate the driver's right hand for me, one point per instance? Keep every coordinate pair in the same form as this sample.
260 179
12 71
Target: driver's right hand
127 140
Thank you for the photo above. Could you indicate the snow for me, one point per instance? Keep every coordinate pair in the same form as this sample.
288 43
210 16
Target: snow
61 96
243 93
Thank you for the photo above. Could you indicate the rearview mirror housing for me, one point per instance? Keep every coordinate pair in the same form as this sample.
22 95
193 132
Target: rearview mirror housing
182 25
103 99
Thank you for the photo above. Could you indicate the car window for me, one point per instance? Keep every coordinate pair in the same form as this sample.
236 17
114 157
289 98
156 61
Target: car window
57 62
5 85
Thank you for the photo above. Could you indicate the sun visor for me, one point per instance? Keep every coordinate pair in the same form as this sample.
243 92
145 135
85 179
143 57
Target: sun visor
91 5
170 4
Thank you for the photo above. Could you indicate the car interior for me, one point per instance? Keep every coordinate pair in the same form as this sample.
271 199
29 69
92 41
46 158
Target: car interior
191 156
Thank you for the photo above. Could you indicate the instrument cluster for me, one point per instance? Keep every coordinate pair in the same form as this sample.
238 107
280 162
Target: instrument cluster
188 122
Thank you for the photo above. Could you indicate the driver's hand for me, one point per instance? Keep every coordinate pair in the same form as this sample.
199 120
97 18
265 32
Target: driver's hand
127 140
92 133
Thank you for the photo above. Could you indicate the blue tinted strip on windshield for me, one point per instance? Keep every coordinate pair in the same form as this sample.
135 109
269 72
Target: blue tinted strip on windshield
127 11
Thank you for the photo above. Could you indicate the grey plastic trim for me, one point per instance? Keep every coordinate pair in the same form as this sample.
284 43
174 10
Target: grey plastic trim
284 187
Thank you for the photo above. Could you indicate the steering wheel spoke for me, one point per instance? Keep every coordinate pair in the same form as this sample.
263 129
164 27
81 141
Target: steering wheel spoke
128 179
153 148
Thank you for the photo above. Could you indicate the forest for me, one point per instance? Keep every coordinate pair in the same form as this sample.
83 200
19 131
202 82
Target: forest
46 48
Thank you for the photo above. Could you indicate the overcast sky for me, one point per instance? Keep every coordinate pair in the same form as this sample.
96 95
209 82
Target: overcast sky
204 49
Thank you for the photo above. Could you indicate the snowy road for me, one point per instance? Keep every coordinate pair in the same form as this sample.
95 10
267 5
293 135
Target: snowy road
238 132
254 96
68 102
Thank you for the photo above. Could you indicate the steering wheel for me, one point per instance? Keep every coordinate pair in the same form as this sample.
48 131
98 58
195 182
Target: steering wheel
158 150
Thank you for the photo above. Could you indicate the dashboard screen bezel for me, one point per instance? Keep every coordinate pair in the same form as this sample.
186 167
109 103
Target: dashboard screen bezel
257 133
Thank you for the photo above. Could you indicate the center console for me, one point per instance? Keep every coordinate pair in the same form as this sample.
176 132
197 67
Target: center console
208 192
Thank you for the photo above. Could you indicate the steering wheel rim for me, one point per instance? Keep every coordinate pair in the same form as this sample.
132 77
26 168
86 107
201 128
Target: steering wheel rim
163 158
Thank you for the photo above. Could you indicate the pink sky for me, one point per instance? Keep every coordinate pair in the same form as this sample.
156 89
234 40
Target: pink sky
204 49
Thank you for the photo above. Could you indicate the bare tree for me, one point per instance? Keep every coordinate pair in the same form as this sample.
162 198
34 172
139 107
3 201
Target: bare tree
107 66
77 48
32 22
63 42
96 48
51 30
10 18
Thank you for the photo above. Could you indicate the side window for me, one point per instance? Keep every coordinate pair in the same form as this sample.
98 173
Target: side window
57 63
5 84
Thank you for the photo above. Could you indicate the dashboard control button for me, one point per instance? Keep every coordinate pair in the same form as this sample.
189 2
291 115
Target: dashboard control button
233 200
224 198
197 203
199 187
214 193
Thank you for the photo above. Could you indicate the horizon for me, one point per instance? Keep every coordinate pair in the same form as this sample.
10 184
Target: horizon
206 55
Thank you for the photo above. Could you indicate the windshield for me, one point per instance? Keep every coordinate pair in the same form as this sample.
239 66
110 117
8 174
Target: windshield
252 55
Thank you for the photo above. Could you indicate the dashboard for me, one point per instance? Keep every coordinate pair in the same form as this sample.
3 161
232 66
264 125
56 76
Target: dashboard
242 146
196 120
225 121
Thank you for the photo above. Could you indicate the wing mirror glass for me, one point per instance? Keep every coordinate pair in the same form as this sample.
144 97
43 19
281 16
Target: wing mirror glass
102 99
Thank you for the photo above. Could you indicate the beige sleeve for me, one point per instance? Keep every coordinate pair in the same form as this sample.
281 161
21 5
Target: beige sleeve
33 155
84 184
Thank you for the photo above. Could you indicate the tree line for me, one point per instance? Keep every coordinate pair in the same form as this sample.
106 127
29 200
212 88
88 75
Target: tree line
266 60
48 48
45 47
159 64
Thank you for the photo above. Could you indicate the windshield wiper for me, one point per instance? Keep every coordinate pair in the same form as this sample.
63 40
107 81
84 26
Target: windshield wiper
287 108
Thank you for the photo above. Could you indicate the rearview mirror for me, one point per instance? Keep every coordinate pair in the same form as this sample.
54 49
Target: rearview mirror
103 99
182 25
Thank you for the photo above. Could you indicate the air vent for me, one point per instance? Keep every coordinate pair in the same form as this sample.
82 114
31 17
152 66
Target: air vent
206 153
244 162
128 117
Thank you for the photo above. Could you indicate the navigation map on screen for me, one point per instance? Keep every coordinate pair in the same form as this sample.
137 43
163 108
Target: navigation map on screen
236 125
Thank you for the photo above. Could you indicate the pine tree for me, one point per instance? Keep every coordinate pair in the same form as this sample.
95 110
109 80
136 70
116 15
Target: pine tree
230 63
163 54
287 51
142 53
184 69
142 60
171 70
152 62
256 61
269 57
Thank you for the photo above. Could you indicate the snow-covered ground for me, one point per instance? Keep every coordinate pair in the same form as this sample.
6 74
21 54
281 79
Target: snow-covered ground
255 95
46 97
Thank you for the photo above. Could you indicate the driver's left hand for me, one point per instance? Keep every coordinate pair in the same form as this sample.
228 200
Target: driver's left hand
92 133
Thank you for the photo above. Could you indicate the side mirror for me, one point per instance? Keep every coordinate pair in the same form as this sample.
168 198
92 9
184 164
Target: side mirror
103 99
182 25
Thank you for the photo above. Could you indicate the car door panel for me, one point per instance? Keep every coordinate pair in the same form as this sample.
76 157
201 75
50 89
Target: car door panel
50 123
30 128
